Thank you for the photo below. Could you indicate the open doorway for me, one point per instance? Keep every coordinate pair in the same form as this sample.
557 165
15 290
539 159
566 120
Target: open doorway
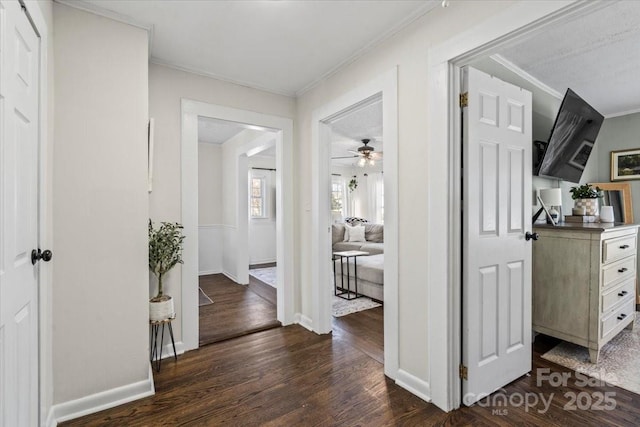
446 61
569 330
226 152
375 100
271 131
357 227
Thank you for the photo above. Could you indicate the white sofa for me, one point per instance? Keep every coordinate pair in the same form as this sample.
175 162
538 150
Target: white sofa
373 234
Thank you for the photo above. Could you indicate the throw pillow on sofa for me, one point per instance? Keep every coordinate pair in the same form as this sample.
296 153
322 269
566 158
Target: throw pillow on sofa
356 234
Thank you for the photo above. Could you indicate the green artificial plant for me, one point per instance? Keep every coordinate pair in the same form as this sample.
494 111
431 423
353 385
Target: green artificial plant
353 184
165 250
585 191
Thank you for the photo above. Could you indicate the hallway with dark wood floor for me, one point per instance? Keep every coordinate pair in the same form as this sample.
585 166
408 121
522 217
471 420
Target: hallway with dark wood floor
292 377
236 310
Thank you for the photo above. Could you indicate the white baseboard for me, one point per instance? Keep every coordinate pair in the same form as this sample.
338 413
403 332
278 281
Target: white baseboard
206 272
304 321
51 419
167 350
230 276
103 400
262 261
414 385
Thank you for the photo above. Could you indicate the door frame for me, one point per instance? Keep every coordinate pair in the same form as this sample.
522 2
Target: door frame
190 110
444 64
386 86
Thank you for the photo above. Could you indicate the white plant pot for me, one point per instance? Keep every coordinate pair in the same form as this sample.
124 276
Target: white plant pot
590 206
161 308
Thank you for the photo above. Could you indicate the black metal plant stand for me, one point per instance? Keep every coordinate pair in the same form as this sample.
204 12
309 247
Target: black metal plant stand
156 353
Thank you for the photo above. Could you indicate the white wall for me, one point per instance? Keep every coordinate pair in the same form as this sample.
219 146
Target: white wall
409 51
618 133
166 88
100 296
262 231
210 228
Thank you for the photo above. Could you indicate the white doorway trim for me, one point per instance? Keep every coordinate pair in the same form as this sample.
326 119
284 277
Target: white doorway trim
386 86
445 60
242 155
284 205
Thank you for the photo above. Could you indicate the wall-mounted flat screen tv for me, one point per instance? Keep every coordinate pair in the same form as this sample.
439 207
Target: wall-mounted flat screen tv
571 141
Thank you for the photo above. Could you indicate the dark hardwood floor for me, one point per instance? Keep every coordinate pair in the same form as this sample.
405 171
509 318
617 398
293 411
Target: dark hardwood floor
235 311
364 330
292 377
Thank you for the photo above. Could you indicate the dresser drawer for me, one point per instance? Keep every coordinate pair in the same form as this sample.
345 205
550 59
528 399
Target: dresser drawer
618 270
620 247
613 323
618 294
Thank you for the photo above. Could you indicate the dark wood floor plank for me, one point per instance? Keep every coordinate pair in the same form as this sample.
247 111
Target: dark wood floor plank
235 311
364 330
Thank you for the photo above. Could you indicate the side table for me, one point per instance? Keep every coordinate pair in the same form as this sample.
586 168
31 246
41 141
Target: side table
156 353
342 256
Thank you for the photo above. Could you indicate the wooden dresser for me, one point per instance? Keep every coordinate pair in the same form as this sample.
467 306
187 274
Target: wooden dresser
584 282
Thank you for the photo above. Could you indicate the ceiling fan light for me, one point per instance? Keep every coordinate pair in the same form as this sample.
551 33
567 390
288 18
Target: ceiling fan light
362 162
372 162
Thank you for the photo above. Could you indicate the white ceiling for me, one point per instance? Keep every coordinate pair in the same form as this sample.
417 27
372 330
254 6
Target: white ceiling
348 131
597 56
280 46
216 131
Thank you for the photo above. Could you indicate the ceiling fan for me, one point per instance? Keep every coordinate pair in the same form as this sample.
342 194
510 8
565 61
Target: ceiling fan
366 153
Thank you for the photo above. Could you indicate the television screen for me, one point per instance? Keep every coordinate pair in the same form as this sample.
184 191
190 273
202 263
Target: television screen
571 141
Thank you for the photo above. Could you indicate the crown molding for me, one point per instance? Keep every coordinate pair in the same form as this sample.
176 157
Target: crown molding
106 13
418 13
200 72
622 113
528 77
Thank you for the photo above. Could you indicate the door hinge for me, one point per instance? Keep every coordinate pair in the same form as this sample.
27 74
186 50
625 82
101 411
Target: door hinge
464 99
463 372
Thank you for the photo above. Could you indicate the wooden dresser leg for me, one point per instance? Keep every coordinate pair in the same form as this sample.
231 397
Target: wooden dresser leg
629 326
593 355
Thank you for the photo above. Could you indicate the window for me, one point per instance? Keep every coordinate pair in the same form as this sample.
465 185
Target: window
337 196
257 203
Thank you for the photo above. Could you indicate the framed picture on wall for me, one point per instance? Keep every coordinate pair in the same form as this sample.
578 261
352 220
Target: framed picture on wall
625 164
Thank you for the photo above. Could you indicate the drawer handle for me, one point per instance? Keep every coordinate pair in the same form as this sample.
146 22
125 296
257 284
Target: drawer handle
623 293
624 247
622 316
622 270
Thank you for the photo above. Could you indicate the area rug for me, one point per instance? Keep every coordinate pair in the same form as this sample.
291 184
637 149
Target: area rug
618 363
342 307
266 275
203 299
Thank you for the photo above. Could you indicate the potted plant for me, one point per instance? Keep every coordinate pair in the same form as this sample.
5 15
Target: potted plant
165 251
353 184
586 197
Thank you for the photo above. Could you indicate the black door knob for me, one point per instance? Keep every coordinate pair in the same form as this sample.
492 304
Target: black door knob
531 236
37 255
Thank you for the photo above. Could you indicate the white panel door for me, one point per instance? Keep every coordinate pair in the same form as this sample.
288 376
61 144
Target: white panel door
496 320
19 117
